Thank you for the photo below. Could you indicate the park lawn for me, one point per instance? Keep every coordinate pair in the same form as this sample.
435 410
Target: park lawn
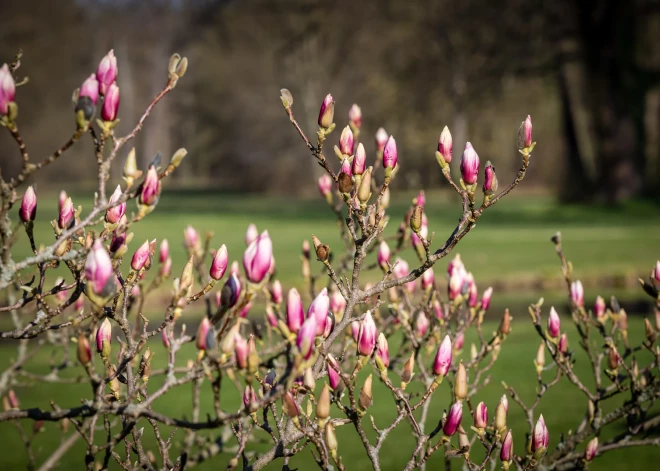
509 243
563 408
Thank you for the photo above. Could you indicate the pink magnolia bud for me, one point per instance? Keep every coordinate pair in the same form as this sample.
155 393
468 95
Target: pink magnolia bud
249 397
276 294
527 131
104 338
165 338
577 293
98 271
540 437
599 307
481 416
258 257
28 211
383 255
473 295
592 448
295 315
428 278
490 180
7 90
367 336
251 234
234 268
245 310
191 238
346 141
485 298
421 325
355 116
164 252
420 200
506 454
80 302
456 281
110 103
201 339
382 350
230 293
337 304
306 336
390 154
459 341
381 139
325 185
289 406
327 112
140 257
563 344
240 351
271 317
116 211
445 144
469 165
106 72
219 263
453 419
443 358
456 262
150 188
66 217
437 309
319 310
360 160
553 323
333 373
346 167
401 268
90 89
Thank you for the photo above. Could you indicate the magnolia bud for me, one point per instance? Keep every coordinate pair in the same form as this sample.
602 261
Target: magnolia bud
84 351
469 165
323 404
366 398
327 112
460 385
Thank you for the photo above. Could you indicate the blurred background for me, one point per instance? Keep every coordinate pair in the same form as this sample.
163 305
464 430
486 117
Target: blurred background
588 72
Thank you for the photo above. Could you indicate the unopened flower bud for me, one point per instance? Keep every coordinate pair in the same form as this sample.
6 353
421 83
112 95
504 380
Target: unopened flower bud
539 361
289 406
28 211
150 188
322 250
106 72
202 334
305 337
540 438
481 416
525 133
364 190
140 257
325 187
421 325
505 324
500 415
553 323
490 180
407 372
258 257
104 338
66 215
382 352
469 165
366 397
563 344
7 90
219 263
110 104
323 403
416 219
613 358
592 448
599 308
390 156
346 141
367 335
240 351
344 183
359 160
331 439
319 309
333 373
443 358
355 116
460 383
253 355
327 112
506 454
577 293
453 419
445 144
84 351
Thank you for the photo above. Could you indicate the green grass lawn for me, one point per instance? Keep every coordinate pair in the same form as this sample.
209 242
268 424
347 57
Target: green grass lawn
563 407
510 242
